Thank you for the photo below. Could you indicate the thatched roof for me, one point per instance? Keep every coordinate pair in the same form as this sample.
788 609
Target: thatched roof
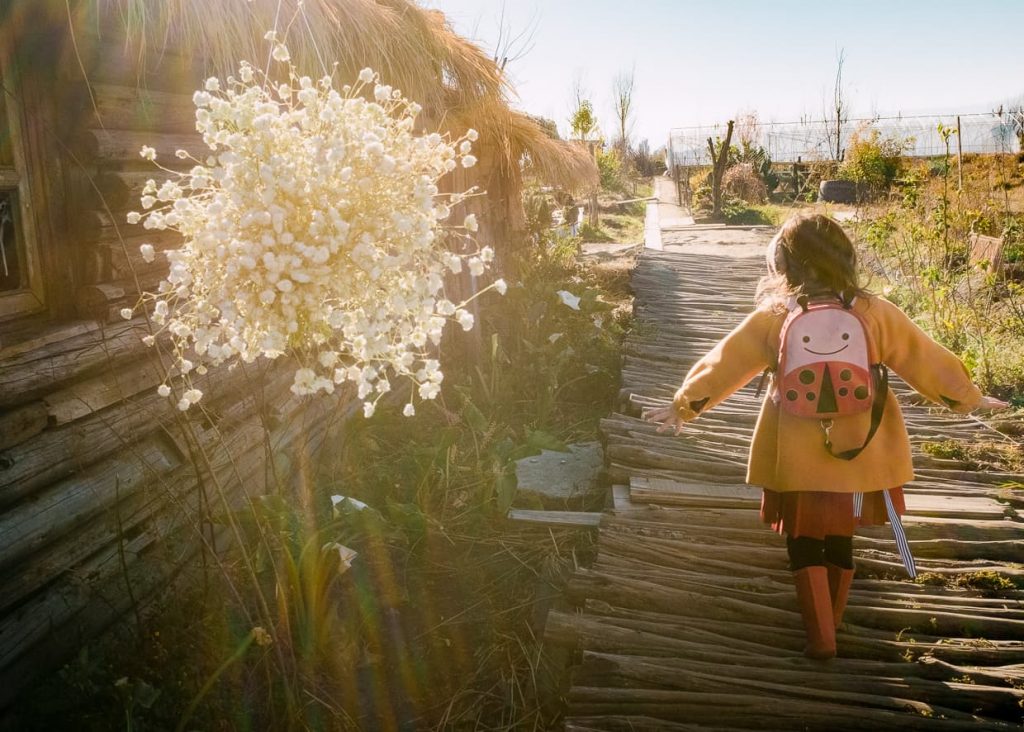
413 49
559 162
519 137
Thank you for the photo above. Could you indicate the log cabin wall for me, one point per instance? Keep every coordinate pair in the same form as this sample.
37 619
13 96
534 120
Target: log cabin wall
100 497
101 502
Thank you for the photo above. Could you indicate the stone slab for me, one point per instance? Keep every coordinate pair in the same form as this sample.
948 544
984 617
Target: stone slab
562 479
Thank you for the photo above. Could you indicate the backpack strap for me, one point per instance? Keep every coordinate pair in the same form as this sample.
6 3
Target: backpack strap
877 409
768 371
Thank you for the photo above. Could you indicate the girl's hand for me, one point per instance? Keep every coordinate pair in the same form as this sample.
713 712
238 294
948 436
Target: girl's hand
669 418
992 404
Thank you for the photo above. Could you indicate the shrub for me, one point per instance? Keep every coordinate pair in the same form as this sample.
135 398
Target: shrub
701 179
645 162
873 160
921 245
759 160
609 165
739 213
743 181
538 212
700 186
817 171
1013 233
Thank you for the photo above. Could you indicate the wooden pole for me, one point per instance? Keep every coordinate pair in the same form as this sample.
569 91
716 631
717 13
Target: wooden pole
593 219
675 181
959 158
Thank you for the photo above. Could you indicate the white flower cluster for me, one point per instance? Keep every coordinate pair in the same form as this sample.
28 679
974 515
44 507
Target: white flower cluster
314 228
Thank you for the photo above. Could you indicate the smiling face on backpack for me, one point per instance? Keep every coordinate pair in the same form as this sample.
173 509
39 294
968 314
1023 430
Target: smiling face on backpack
838 337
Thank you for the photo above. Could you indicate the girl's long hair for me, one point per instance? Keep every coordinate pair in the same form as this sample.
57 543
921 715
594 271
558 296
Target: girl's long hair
811 255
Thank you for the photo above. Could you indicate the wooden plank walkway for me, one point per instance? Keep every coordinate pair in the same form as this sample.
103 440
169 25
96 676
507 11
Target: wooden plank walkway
688 618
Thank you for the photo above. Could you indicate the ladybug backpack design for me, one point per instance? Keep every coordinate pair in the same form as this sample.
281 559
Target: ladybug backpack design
828 367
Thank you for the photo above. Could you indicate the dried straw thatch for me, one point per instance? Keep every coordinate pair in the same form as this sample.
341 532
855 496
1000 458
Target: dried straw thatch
567 164
414 49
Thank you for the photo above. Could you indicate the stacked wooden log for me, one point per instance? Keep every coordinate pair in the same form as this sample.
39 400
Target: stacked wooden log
119 116
106 490
688 618
103 487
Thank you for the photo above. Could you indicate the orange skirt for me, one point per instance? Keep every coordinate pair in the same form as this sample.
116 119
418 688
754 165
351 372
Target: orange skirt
818 514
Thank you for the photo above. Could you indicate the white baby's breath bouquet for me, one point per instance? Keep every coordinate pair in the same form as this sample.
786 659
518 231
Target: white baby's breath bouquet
313 228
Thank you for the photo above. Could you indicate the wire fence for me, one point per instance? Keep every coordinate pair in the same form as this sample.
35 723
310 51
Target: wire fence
809 140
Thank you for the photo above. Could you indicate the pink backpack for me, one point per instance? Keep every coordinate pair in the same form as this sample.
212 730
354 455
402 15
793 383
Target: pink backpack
828 367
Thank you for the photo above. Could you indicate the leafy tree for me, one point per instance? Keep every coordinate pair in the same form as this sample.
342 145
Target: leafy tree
609 165
583 121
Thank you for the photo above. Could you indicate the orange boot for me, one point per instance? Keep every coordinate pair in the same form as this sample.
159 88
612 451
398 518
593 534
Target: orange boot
816 609
839 580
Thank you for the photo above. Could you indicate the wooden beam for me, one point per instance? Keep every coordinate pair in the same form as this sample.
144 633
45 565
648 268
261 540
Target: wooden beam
563 519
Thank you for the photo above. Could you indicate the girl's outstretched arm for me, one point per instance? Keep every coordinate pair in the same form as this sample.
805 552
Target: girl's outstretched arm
733 362
930 368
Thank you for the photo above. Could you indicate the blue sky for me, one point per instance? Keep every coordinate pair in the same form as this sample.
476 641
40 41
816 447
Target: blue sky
699 61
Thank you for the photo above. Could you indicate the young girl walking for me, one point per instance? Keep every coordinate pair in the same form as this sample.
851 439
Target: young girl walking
830 448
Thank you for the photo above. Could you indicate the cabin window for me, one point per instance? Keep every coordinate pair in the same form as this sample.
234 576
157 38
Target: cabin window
10 257
21 286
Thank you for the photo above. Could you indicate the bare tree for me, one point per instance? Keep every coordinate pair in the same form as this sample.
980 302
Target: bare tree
622 100
719 164
513 45
579 91
839 114
747 125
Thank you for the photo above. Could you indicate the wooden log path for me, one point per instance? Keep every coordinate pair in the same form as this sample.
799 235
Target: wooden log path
688 619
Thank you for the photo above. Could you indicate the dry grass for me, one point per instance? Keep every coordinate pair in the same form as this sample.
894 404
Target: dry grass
564 164
613 274
743 182
1005 456
414 50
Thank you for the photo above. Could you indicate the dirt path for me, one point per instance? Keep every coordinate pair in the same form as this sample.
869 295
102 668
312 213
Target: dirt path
670 214
671 228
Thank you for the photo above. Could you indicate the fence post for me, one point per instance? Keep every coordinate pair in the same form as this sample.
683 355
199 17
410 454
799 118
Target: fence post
959 158
679 190
593 219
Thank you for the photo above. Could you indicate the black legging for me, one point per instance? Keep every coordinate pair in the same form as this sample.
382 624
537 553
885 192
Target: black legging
805 551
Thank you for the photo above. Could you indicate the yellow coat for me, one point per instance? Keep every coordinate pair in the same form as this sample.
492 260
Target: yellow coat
788 452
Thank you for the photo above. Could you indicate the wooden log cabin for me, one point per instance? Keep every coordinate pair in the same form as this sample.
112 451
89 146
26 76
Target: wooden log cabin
100 492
